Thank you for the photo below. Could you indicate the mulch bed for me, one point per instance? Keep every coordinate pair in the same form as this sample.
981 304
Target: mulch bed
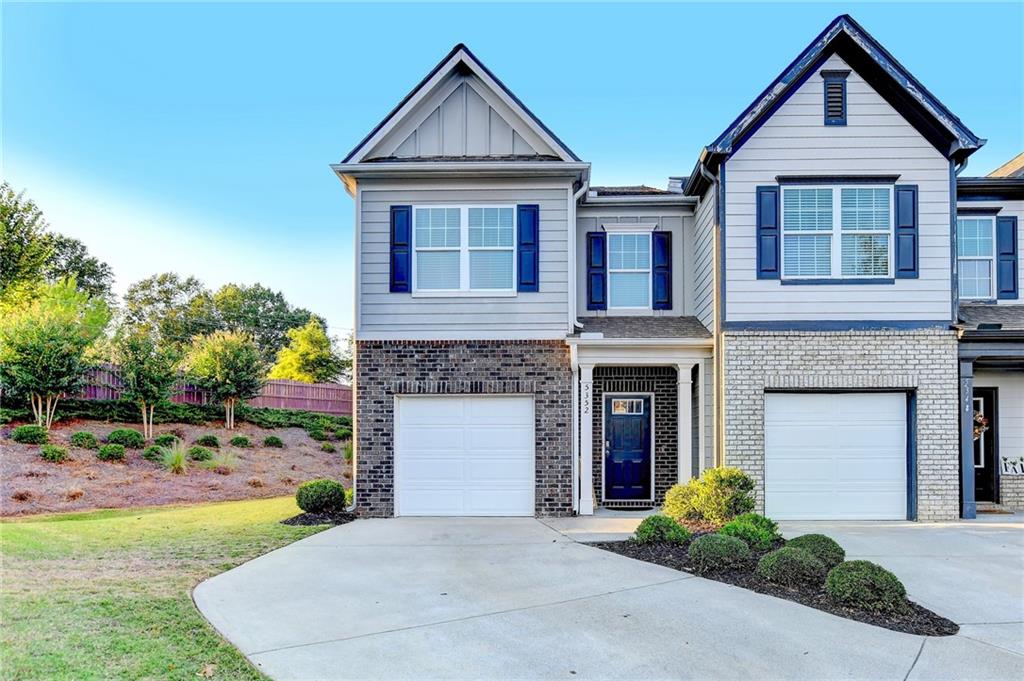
320 519
919 620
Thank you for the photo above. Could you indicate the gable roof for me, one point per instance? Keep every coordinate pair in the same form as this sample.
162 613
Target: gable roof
1012 168
848 39
459 60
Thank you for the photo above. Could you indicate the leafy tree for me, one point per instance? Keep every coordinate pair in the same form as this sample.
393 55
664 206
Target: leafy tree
44 342
173 306
228 365
24 244
310 356
70 258
149 370
260 312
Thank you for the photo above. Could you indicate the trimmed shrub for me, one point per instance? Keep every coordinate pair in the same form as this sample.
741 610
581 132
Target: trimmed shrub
166 439
757 520
821 547
240 441
660 528
153 453
717 497
84 440
132 439
29 435
272 441
757 538
329 448
713 552
198 453
53 453
111 452
867 586
317 434
791 566
208 441
321 496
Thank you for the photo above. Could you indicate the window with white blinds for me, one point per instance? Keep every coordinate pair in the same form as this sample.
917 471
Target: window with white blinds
629 270
836 232
464 248
975 246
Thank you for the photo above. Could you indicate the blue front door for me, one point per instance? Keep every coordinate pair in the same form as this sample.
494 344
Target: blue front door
627 447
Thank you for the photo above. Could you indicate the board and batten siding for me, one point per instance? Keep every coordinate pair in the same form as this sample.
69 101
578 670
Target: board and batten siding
1008 209
677 221
383 315
704 259
876 140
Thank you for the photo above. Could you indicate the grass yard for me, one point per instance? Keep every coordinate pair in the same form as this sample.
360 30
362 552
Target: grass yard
107 594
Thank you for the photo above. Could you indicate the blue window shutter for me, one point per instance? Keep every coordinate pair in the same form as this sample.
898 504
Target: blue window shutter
528 246
597 272
1007 286
906 235
661 272
401 249
768 236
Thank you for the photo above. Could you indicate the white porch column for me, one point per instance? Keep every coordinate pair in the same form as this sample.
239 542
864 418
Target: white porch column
684 423
586 436
702 398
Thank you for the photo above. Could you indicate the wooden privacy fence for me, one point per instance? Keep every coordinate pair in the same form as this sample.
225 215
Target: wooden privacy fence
104 383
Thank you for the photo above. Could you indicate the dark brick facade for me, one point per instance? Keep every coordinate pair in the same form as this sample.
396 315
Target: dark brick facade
663 383
384 369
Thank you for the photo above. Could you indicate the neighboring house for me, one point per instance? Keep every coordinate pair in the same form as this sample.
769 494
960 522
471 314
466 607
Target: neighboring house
529 344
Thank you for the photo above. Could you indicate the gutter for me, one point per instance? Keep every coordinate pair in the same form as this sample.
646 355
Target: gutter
574 342
475 169
640 199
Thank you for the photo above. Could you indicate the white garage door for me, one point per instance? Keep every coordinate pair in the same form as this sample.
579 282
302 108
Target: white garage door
836 456
471 455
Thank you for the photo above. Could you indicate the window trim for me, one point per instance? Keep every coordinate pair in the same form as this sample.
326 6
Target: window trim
836 275
631 230
992 274
464 249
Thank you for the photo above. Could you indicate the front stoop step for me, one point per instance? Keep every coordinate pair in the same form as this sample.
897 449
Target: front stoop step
989 507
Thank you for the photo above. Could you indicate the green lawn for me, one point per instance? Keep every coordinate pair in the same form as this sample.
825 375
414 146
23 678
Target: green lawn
107 594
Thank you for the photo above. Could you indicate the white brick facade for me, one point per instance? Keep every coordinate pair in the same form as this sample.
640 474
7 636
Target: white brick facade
922 361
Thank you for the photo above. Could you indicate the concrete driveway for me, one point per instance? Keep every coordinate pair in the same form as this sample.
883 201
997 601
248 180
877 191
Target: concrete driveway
418 598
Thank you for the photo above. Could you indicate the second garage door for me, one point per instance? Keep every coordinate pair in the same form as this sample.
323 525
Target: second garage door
464 455
836 456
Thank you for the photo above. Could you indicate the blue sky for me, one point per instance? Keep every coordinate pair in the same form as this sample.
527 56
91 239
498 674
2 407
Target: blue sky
197 137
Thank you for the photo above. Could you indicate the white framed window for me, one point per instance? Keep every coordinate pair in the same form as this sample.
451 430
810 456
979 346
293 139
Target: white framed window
464 249
629 270
976 256
842 232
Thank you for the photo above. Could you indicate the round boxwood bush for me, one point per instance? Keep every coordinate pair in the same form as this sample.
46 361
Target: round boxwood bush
321 496
821 547
166 439
29 435
132 439
84 440
660 528
53 453
111 452
208 441
791 566
199 453
867 586
714 552
153 453
240 441
272 441
756 537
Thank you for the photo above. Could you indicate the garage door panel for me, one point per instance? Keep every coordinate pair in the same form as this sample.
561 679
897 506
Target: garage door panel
436 439
497 501
835 455
433 469
499 411
431 412
510 437
498 470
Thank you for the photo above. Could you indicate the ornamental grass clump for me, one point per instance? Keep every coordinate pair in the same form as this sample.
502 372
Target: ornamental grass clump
716 552
660 529
821 547
175 459
222 463
791 567
864 585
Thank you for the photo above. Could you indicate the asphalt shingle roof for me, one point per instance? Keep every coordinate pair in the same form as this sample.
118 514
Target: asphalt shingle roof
1010 316
645 327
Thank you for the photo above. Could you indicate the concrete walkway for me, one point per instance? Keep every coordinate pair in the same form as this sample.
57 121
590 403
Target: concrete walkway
418 598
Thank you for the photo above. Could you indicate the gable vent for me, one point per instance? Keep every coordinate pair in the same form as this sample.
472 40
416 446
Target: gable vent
835 97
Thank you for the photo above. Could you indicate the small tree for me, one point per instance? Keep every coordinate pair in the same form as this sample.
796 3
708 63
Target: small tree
148 370
44 340
310 356
227 364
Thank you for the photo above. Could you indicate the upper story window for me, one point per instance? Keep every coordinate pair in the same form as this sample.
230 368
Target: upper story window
629 270
835 96
463 248
836 232
976 253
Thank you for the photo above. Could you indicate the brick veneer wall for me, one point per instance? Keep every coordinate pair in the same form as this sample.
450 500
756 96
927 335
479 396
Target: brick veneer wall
921 360
663 383
384 369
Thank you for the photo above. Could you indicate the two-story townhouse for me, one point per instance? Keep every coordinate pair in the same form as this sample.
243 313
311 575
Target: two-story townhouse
529 344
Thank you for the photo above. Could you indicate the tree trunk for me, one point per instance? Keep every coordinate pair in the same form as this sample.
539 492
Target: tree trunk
151 408
51 409
145 428
37 411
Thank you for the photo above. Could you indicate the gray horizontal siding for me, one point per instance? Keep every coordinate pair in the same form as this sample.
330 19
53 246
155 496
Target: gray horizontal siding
704 265
1007 209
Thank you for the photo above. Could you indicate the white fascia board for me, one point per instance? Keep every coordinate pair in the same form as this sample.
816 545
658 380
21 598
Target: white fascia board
430 335
652 200
645 342
416 169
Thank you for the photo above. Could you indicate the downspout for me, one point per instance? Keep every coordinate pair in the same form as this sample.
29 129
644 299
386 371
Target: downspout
718 363
573 274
